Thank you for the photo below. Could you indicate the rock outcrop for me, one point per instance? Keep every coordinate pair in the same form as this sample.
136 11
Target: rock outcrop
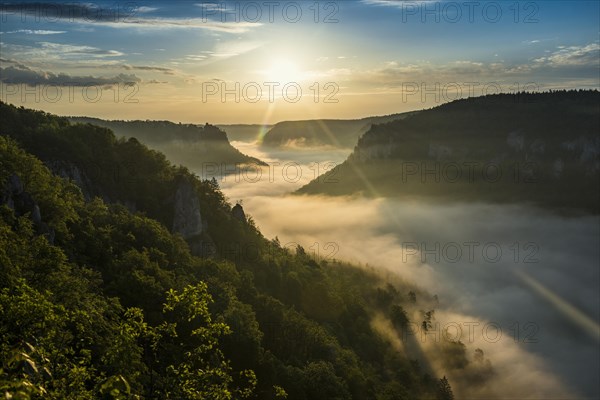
187 219
13 194
74 174
188 222
238 213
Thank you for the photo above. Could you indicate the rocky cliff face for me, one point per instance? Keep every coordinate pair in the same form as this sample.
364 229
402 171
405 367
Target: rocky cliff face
188 222
548 151
187 219
13 194
73 173
238 213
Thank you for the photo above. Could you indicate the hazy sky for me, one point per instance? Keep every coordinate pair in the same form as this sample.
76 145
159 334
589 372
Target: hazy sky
344 59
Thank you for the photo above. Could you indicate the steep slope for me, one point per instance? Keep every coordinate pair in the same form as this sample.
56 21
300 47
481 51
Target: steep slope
185 144
541 148
323 132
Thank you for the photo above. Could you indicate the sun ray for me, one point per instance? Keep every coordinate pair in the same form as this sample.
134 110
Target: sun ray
587 324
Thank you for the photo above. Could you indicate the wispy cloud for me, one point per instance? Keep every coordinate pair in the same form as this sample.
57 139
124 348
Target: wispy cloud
397 3
120 18
547 71
35 32
195 23
221 50
588 55
76 50
166 71
51 51
21 74
144 9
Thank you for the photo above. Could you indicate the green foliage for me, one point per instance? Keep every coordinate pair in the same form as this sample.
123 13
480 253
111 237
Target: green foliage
118 307
115 387
444 390
56 198
21 379
203 373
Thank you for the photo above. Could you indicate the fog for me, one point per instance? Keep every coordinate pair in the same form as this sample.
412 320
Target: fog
521 283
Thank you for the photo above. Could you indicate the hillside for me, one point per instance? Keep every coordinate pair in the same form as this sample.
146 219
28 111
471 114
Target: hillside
187 144
536 148
245 132
126 277
322 132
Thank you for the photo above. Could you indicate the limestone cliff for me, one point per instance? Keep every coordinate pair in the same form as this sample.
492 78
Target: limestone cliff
187 219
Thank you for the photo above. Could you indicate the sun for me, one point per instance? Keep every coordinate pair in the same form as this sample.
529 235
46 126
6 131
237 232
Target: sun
283 70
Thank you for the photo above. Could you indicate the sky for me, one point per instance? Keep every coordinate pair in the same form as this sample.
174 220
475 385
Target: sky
267 61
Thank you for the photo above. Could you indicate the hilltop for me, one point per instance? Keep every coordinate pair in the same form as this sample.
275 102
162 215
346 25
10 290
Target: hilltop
540 148
323 132
187 144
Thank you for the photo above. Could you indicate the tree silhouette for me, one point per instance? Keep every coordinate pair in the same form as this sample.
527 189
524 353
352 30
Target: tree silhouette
444 390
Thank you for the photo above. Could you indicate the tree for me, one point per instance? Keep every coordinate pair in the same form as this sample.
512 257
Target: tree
203 373
412 297
444 390
398 317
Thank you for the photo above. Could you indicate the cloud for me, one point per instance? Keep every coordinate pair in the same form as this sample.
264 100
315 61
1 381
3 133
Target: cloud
393 74
154 81
166 71
397 3
222 50
195 23
43 52
125 16
197 57
36 32
11 61
554 70
234 48
77 50
20 74
144 9
588 55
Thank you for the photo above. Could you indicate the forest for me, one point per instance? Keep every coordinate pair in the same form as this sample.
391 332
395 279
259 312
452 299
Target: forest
194 146
323 132
534 148
101 298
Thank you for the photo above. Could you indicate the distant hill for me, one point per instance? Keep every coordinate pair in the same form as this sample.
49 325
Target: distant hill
323 132
245 132
187 144
540 148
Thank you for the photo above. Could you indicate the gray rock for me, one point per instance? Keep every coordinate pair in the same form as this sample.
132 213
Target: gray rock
74 174
238 213
187 219
21 202
36 215
14 186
